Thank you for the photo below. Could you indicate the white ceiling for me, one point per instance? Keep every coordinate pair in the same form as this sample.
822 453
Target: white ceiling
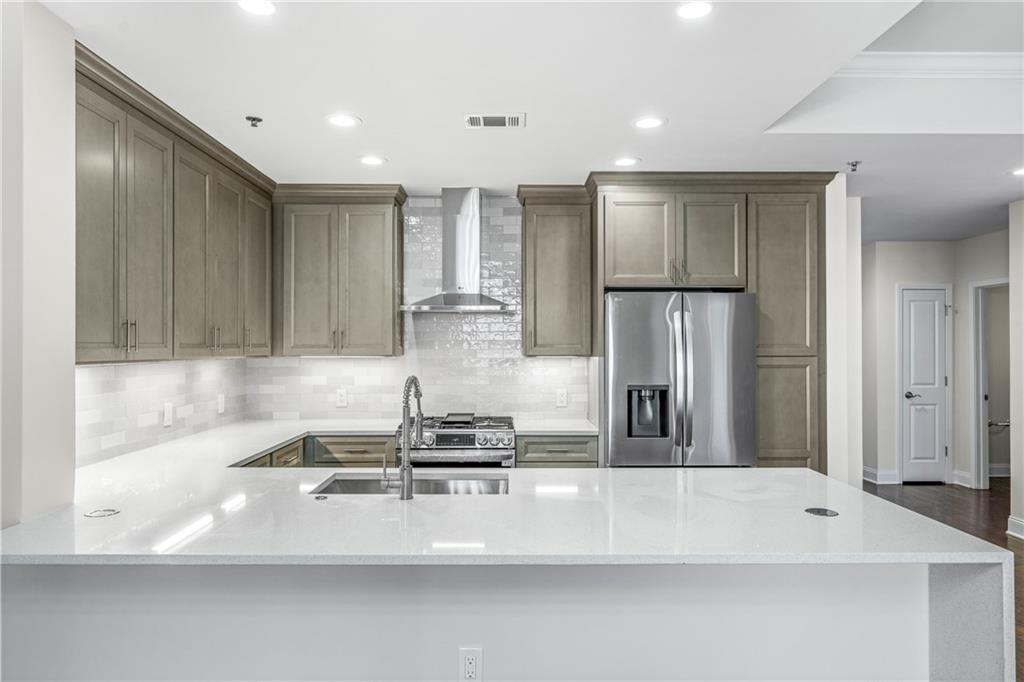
580 71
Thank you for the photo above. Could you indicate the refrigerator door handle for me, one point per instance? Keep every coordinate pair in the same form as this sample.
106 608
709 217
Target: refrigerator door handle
688 318
677 346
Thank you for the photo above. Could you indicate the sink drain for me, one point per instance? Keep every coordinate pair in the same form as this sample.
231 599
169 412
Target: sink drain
101 513
821 511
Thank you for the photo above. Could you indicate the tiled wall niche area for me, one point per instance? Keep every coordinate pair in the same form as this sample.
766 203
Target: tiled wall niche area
466 362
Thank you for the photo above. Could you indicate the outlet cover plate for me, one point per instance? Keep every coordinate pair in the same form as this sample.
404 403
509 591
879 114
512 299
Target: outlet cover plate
471 663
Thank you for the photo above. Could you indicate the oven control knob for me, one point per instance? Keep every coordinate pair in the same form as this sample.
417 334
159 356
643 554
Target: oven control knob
481 439
493 439
428 440
506 439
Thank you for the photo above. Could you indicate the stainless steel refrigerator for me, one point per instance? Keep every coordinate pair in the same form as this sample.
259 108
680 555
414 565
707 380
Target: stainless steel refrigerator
679 379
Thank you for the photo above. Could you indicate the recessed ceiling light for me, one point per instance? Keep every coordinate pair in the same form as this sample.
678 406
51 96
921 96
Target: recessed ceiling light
1019 171
647 122
694 10
372 160
344 120
627 161
261 7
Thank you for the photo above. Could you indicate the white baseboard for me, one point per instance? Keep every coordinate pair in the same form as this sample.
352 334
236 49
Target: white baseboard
882 477
1015 527
999 470
963 478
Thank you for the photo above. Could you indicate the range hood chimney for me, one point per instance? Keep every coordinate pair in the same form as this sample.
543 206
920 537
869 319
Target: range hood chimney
460 258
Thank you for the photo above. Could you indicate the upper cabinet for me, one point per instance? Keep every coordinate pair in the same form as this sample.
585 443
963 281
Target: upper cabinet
124 233
256 273
640 239
340 270
711 240
783 237
556 271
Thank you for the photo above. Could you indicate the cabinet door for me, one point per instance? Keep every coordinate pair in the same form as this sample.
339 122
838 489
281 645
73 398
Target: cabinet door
556 280
711 241
787 412
353 451
782 237
366 280
150 242
193 186
640 239
225 263
288 456
101 319
310 280
256 287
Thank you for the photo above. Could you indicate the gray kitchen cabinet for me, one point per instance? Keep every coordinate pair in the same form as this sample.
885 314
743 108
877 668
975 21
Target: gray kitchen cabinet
193 190
787 412
256 285
101 320
288 456
783 271
639 239
556 280
340 273
310 276
262 462
556 451
124 233
711 240
225 262
353 451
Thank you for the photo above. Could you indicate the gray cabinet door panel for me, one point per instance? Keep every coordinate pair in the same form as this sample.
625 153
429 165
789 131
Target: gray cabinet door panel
640 239
193 186
556 280
150 242
225 262
711 242
100 289
366 280
783 271
256 289
310 286
787 411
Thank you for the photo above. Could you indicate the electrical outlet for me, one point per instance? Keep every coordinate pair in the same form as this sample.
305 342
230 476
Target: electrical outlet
168 414
341 398
562 398
220 403
471 664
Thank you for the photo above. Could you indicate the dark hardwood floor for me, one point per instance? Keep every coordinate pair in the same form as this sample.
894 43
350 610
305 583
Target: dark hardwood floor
981 513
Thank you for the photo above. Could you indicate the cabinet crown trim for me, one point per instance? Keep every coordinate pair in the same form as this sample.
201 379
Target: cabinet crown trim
559 195
598 180
338 194
96 69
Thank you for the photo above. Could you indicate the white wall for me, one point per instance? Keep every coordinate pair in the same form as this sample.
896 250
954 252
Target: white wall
38 250
978 259
1015 524
894 263
869 332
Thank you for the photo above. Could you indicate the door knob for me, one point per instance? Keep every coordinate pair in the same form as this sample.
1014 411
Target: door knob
909 396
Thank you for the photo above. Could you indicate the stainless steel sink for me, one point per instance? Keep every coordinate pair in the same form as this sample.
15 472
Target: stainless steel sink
423 484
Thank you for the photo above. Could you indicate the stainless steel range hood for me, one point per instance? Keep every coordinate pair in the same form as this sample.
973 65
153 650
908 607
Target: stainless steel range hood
460 258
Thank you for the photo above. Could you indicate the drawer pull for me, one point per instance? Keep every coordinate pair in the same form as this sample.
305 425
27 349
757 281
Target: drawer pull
354 450
557 450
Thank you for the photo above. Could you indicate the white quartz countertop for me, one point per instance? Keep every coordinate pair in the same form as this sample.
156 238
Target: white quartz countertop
180 503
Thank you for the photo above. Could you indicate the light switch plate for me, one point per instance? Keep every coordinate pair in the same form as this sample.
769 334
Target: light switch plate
562 397
168 414
341 398
220 403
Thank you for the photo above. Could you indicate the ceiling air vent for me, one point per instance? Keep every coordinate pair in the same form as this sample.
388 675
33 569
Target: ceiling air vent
517 120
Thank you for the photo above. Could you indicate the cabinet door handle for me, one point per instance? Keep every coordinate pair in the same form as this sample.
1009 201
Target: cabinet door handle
127 343
136 325
248 337
213 338
334 339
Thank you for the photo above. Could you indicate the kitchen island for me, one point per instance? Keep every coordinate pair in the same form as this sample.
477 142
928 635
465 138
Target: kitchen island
217 572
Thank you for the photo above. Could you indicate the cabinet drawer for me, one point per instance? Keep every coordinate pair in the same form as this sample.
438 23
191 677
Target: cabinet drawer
353 450
556 465
260 462
288 456
561 449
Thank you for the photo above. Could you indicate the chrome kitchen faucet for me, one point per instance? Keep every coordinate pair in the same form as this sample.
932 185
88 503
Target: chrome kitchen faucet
404 482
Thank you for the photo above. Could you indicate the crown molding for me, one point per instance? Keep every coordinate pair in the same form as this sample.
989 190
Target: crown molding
597 180
310 193
552 194
96 69
1000 65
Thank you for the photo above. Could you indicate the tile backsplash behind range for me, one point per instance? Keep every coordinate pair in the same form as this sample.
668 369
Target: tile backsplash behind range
470 362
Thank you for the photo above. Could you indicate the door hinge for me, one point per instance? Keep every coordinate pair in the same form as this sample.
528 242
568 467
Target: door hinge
946 309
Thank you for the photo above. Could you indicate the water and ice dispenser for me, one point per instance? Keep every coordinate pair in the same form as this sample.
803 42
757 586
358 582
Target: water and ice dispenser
648 411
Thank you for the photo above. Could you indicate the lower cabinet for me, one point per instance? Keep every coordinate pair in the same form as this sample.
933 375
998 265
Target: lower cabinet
352 451
556 451
288 456
787 412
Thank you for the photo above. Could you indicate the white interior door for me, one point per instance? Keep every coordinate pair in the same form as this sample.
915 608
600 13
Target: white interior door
923 381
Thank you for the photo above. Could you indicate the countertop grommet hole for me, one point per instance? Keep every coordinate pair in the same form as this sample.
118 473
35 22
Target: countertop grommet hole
320 497
821 511
101 513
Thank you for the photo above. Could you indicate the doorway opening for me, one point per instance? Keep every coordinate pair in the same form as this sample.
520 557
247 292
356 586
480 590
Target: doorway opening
990 378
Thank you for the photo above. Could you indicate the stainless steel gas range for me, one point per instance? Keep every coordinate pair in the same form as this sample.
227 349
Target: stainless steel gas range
464 439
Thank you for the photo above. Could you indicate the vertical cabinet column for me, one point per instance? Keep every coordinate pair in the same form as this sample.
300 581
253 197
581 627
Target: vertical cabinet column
256 286
310 280
193 188
225 263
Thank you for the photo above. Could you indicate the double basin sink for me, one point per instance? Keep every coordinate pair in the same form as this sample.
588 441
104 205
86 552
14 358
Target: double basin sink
422 484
